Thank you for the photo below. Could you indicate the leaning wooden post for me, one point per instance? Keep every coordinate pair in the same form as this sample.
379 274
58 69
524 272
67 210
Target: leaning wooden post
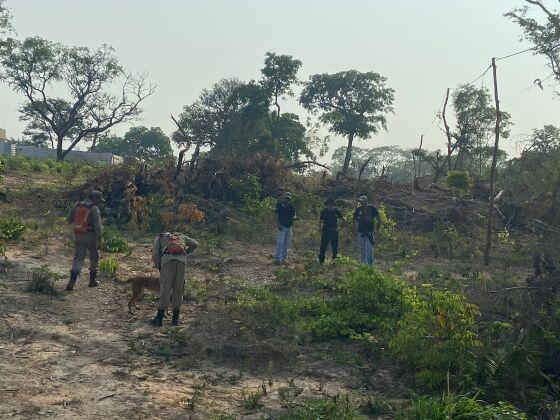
493 168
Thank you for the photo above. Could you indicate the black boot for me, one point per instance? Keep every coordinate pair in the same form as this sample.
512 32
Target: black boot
92 279
158 319
72 282
175 317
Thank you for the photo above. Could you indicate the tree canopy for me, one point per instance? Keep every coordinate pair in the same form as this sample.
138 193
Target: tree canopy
279 74
40 69
352 103
145 144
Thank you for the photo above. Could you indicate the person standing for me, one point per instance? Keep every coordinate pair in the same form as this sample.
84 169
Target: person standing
328 226
169 253
365 217
88 229
286 214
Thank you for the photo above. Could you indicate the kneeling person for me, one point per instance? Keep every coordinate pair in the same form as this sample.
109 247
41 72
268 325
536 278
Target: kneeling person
169 254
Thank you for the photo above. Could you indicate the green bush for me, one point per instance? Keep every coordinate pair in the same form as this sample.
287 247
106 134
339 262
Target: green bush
243 189
339 407
109 266
113 241
43 280
12 228
459 180
445 240
437 336
459 407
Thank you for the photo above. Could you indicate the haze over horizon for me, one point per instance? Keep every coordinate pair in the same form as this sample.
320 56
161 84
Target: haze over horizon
421 47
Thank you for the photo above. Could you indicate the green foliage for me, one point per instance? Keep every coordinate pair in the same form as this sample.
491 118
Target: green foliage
109 266
12 228
339 407
287 395
148 145
459 407
445 239
43 280
436 336
251 400
244 189
113 241
459 180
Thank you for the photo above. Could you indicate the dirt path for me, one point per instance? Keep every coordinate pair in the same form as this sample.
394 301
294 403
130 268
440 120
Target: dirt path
78 356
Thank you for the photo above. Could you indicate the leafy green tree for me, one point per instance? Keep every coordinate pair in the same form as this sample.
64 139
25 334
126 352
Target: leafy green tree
5 18
542 32
41 69
475 117
279 74
141 143
352 103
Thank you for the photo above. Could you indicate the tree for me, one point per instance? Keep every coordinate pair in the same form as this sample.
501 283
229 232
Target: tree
5 18
475 117
354 104
142 143
37 68
279 74
544 34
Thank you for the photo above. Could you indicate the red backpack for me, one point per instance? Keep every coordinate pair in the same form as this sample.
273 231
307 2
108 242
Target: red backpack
175 243
80 223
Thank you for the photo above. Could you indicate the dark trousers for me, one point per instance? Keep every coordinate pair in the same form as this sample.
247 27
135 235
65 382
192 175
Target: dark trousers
328 235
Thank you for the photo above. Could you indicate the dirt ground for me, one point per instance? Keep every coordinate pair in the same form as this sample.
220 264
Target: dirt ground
82 355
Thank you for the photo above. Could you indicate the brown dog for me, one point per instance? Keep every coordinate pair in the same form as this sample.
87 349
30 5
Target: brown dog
139 283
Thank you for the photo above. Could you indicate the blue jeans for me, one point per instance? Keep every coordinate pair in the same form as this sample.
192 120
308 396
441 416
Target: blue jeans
283 238
366 249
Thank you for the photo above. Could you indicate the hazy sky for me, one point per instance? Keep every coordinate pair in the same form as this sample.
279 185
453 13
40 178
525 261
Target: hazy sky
421 46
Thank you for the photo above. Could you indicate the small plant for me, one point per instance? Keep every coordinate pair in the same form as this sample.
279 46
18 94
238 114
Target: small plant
288 394
43 280
339 407
12 228
374 406
252 400
109 266
113 241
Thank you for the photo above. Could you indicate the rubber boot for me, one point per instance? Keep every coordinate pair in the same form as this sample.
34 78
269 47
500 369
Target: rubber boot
158 319
92 279
175 317
72 282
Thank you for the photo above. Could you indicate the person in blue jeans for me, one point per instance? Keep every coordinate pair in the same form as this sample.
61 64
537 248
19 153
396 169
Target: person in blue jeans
365 217
286 216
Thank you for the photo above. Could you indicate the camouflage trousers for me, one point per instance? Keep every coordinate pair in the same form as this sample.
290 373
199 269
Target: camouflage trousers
171 284
85 244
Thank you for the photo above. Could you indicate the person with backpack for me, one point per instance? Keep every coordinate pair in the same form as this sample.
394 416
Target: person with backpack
88 229
328 226
365 217
169 254
286 215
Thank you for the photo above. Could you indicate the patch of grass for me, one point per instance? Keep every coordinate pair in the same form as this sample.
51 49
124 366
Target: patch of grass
288 394
109 266
113 241
12 228
339 407
43 280
251 400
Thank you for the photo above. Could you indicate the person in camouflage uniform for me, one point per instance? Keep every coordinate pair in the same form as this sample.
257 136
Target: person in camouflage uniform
87 238
169 253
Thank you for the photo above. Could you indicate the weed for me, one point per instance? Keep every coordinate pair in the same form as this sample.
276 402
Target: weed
43 280
113 241
288 394
12 228
374 406
252 400
339 407
109 266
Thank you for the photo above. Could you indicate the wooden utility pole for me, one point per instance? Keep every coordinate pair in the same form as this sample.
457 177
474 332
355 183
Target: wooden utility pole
493 168
447 131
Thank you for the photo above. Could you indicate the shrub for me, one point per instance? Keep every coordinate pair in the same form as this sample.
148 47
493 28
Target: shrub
109 266
445 239
243 189
43 280
252 400
436 336
339 407
459 407
113 241
11 228
459 180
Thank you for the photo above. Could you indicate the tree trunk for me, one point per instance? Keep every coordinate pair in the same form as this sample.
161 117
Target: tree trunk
552 215
447 131
194 159
348 156
180 162
493 169
59 152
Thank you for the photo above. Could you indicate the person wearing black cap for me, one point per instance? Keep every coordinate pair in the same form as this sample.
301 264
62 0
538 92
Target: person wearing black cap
88 229
328 225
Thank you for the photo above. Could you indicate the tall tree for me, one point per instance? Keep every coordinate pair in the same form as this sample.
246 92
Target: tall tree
543 33
141 143
5 18
38 68
475 117
279 74
354 104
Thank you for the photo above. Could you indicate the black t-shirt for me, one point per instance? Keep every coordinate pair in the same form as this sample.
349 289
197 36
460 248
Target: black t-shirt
365 218
286 214
330 218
